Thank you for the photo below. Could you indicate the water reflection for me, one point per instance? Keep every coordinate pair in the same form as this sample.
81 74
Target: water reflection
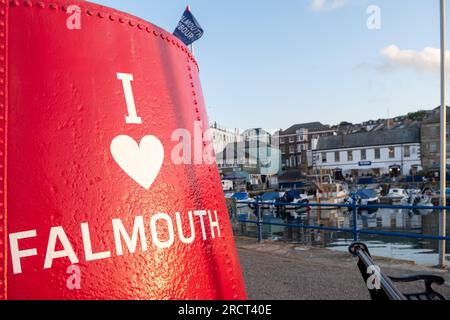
391 220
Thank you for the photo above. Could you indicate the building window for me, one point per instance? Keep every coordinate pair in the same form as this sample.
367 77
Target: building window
299 160
324 157
282 141
337 156
293 162
432 132
283 150
391 152
406 151
291 149
350 155
363 154
299 138
291 139
377 153
433 147
299 147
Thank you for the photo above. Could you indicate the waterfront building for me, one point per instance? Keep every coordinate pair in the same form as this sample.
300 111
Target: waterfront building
257 135
297 143
430 140
259 162
395 152
222 137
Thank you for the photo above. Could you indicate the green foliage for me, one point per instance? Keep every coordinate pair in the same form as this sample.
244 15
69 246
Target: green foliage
417 116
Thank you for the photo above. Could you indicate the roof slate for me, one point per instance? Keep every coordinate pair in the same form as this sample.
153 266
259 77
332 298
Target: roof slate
376 138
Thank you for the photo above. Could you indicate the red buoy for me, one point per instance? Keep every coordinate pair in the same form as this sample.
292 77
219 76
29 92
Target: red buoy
93 204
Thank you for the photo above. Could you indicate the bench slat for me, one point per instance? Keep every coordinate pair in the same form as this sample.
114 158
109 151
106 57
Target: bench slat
388 289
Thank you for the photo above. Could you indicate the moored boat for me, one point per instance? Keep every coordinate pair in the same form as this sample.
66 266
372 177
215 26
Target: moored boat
365 197
242 199
396 195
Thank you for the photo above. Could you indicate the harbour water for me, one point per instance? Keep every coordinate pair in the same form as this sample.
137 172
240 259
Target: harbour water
421 251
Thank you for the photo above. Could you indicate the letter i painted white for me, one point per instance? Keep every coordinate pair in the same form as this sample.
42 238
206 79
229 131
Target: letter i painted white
132 117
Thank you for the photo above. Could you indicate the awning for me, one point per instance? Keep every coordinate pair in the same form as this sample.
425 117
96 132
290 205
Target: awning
290 176
236 176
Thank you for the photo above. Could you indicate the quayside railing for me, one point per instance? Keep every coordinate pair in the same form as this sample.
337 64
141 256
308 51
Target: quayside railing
354 208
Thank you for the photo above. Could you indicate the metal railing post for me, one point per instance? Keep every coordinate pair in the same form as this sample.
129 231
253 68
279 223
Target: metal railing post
355 219
258 213
443 142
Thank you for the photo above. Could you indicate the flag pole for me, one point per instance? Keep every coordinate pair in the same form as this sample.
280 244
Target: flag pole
192 44
443 168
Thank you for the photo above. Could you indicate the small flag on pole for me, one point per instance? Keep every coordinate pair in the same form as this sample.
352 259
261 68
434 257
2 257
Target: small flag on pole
188 29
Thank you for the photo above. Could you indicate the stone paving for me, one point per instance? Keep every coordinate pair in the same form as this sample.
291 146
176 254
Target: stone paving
276 270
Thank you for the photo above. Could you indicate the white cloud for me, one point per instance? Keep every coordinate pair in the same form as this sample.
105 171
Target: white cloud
427 60
327 5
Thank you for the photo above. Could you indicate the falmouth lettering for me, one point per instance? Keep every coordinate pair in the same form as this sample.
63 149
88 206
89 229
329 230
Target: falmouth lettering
147 235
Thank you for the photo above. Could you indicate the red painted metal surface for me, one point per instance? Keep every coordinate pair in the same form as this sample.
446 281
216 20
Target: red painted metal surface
61 107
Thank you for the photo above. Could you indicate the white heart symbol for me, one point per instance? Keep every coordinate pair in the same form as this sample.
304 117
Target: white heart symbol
141 162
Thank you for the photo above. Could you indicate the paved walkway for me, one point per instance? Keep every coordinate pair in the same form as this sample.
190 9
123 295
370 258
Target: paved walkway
275 270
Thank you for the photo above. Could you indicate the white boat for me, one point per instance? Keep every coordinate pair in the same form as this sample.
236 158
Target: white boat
421 199
332 193
295 204
293 199
366 197
266 200
417 198
397 195
329 191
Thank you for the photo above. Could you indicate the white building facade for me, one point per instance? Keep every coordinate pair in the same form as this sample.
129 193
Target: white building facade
263 158
297 141
395 152
222 137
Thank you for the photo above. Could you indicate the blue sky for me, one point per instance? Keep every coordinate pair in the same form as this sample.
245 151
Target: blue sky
270 64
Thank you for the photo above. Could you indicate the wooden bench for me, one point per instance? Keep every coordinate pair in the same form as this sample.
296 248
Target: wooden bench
385 288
